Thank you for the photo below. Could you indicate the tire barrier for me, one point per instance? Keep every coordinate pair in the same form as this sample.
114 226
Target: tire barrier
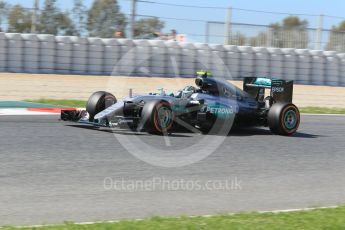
262 61
217 65
276 62
3 52
174 59
47 52
142 58
332 68
189 60
204 56
232 60
303 66
63 54
289 64
111 54
342 68
14 53
247 61
158 58
317 74
30 53
80 55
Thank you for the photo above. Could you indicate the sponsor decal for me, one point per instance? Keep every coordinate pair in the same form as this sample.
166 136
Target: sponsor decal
220 110
278 86
277 89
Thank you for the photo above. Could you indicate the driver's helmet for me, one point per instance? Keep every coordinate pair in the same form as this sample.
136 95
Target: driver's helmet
186 92
203 74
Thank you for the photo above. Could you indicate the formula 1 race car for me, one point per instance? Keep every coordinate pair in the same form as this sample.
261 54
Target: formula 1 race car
212 103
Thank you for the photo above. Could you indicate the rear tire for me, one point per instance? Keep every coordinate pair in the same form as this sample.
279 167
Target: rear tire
158 117
98 102
283 119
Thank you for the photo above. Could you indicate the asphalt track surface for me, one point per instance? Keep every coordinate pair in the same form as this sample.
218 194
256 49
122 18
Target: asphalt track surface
52 172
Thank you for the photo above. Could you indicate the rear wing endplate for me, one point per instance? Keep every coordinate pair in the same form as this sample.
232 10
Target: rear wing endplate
281 90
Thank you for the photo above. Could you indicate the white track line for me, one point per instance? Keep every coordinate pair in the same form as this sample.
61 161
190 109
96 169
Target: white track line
22 112
298 209
26 112
205 216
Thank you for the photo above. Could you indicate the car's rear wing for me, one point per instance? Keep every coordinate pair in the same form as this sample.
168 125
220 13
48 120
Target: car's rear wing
281 90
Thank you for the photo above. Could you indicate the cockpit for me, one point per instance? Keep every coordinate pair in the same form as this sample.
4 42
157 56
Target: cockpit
207 84
217 87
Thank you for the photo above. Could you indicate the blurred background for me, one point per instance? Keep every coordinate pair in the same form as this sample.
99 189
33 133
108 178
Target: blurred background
267 23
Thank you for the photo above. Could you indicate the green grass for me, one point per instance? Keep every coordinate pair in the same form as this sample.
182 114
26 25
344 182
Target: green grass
67 103
320 110
78 103
333 218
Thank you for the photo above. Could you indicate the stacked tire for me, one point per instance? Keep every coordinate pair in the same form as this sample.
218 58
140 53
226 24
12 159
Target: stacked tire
317 67
290 64
79 55
232 61
95 56
188 59
276 63
3 52
47 53
247 61
174 60
112 52
203 56
218 67
63 60
127 58
30 53
342 68
142 63
159 58
261 61
332 68
14 52
303 66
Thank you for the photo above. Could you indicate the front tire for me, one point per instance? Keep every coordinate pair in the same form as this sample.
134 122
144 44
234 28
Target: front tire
283 119
98 102
158 117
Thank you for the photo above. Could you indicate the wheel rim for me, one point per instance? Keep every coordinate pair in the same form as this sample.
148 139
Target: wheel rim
290 119
164 117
